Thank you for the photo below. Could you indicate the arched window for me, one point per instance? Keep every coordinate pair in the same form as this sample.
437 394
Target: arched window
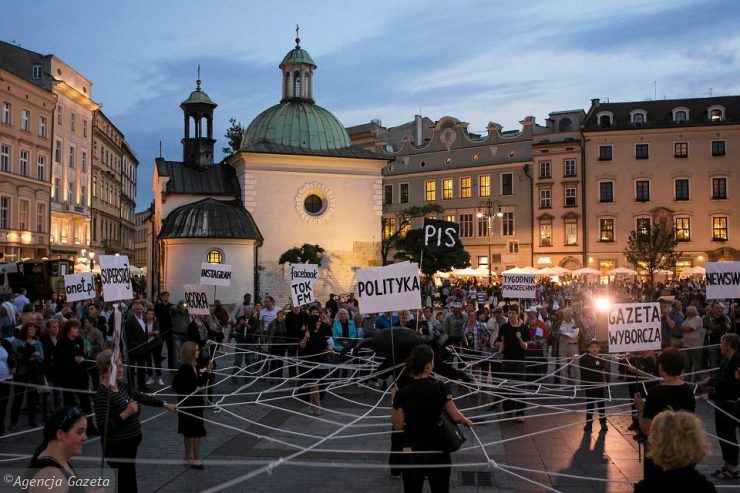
716 113
297 84
307 87
680 115
605 120
565 125
638 118
215 256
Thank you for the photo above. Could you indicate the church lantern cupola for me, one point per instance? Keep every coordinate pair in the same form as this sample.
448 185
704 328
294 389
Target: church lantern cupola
198 142
297 67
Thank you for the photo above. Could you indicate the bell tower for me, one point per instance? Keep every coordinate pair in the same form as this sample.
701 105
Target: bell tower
297 67
198 141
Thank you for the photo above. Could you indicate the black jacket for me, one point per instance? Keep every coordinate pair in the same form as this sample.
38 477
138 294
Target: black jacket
136 337
684 480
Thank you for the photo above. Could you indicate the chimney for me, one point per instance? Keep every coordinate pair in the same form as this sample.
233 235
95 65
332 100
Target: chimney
595 102
417 131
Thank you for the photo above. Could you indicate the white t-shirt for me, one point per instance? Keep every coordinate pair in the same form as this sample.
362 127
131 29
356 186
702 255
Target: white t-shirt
267 316
569 330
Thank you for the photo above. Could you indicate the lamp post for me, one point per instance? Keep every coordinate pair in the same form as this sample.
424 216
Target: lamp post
87 257
488 209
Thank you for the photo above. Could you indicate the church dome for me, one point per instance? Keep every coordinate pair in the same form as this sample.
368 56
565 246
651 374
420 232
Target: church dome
297 56
298 123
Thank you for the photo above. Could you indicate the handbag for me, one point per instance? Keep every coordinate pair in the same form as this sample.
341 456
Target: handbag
450 435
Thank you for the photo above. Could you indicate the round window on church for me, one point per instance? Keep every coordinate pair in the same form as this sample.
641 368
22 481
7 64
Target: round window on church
215 256
313 204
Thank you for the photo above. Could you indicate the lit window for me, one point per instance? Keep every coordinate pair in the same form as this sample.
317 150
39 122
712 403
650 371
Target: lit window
546 234
606 230
719 229
683 229
643 225
430 191
465 188
215 256
484 186
571 233
389 227
447 193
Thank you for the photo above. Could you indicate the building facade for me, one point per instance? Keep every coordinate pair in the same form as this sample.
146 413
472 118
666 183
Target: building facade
106 191
674 162
129 169
142 239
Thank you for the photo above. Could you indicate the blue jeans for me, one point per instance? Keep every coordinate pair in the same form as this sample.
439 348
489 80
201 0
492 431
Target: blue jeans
177 341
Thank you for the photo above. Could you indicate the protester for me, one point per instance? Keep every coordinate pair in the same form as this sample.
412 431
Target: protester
594 377
514 336
188 383
136 343
154 349
277 335
28 375
8 368
314 350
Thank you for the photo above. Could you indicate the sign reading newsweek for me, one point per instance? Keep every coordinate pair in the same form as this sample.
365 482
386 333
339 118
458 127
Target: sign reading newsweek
79 287
393 287
301 293
634 327
115 277
301 272
215 274
196 299
441 236
723 280
519 286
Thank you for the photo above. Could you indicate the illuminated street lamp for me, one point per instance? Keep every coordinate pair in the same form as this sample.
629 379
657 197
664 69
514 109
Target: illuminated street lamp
87 258
488 209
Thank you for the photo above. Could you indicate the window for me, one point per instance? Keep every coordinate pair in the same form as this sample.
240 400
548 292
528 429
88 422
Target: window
42 126
5 212
447 193
638 119
681 149
570 196
23 162
642 151
545 198
569 167
683 229
95 229
546 234
83 195
484 186
482 226
70 193
483 261
605 153
606 191
58 152
25 120
465 188
4 157
719 188
387 194
719 229
41 168
71 156
59 116
84 128
718 148
40 217
466 225
450 218
642 190
680 116
404 198
83 161
716 114
605 120
58 189
507 224
545 169
404 229
72 121
512 246
507 184
215 256
571 233
606 230
643 225
23 211
6 112
682 189
36 71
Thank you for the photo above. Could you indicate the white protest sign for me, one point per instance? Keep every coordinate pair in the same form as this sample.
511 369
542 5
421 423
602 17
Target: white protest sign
215 274
78 287
634 327
518 286
196 299
115 277
723 280
301 293
393 287
116 356
301 272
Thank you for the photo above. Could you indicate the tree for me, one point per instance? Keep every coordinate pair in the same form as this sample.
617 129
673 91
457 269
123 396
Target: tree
409 248
234 135
652 250
391 232
306 254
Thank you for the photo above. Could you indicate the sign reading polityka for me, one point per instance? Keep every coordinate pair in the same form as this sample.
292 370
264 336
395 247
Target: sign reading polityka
393 287
78 287
115 277
196 298
301 293
634 327
723 280
215 274
519 286
301 272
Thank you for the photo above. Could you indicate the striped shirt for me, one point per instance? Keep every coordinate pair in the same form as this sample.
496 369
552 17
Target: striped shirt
112 404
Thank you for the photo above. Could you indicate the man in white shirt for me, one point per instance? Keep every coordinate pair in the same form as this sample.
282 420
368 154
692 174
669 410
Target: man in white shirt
268 313
568 328
21 300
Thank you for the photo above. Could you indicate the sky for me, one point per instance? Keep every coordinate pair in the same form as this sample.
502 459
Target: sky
479 61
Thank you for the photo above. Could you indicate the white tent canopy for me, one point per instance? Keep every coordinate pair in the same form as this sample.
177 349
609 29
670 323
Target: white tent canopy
586 271
694 271
623 270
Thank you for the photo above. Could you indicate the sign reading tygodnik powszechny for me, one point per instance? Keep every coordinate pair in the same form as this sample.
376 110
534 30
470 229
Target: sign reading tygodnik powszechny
634 327
518 286
215 274
393 287
115 277
723 280
78 287
196 299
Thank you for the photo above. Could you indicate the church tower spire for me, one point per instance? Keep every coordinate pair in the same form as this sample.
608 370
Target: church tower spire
197 145
297 67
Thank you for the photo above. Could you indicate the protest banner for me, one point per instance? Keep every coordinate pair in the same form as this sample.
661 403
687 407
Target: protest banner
196 299
393 287
116 341
634 327
79 287
215 274
519 286
301 292
115 277
300 272
723 280
441 236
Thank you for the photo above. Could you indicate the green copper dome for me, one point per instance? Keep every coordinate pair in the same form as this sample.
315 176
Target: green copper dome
297 123
297 55
198 96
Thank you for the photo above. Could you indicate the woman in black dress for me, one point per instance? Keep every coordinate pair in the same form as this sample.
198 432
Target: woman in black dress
187 383
315 348
69 359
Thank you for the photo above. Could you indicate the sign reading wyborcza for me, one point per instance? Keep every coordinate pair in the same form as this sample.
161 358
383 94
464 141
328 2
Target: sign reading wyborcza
634 327
441 236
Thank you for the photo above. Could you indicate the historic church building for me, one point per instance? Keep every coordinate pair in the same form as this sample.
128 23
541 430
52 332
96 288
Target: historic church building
296 179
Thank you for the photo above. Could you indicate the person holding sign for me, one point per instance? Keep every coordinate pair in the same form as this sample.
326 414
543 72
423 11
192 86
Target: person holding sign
568 328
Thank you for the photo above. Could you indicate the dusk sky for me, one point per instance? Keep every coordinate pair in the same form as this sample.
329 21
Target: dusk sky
478 61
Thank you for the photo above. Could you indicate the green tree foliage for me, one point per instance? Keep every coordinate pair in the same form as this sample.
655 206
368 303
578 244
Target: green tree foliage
233 135
305 254
403 223
652 250
409 248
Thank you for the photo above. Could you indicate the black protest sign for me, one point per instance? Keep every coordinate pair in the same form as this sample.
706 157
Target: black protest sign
441 236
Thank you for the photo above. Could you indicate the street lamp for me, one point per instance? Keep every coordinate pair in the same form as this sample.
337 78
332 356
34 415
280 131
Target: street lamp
488 209
88 258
